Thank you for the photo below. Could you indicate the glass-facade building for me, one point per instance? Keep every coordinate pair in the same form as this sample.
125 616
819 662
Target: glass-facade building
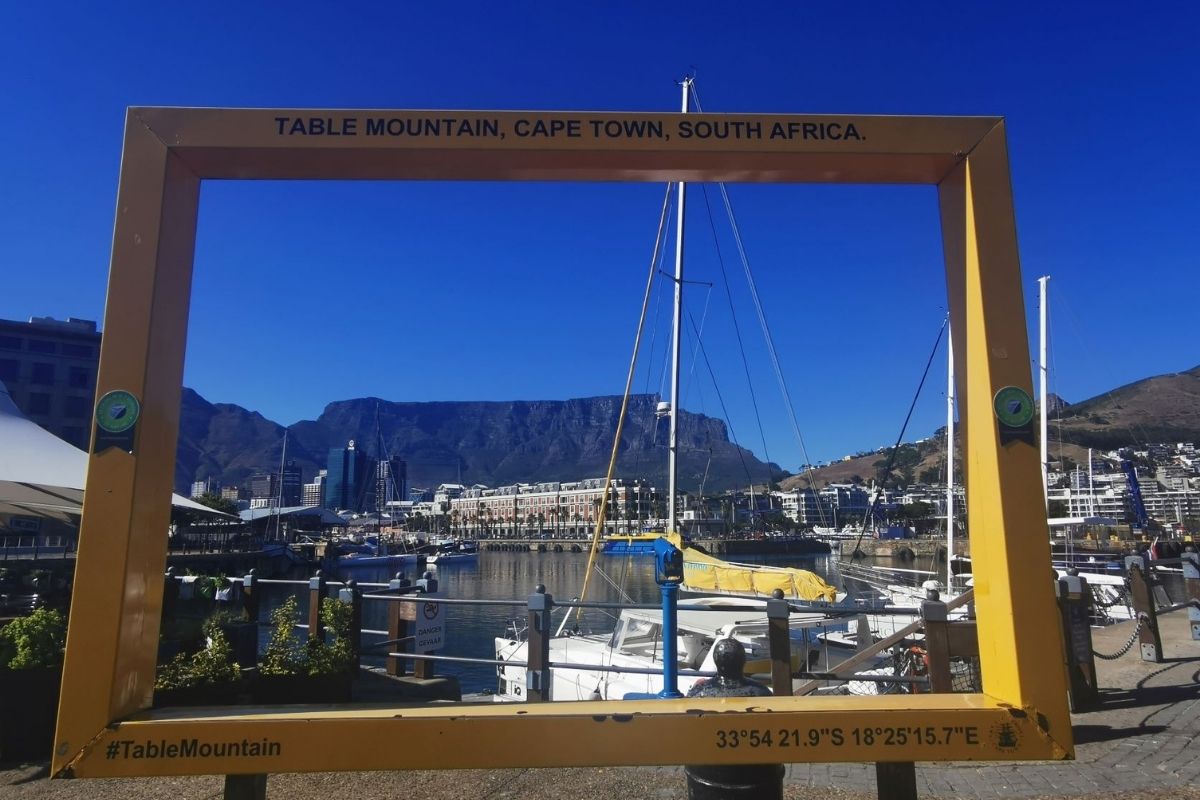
350 482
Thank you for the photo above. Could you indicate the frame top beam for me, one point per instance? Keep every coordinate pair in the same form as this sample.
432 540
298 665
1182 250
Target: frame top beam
385 144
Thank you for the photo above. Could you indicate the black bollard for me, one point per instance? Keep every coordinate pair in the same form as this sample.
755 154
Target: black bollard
732 781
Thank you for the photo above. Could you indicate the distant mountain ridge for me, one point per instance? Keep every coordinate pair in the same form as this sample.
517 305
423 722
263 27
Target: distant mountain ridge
494 443
1162 408
504 442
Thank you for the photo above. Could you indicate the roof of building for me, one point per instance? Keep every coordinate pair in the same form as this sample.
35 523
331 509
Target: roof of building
33 455
327 517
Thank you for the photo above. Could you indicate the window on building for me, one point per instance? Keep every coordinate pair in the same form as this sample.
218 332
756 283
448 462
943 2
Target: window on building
77 408
77 350
43 374
78 378
39 403
10 369
75 435
10 342
42 346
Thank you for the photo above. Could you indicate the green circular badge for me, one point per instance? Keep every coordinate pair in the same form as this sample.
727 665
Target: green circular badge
117 411
1014 406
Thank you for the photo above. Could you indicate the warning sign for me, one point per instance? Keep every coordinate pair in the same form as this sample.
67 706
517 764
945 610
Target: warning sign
429 630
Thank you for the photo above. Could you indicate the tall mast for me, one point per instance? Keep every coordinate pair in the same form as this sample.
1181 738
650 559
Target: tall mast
1042 369
278 499
677 327
949 461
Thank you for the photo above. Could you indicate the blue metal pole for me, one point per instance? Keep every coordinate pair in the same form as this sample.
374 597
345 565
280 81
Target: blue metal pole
670 594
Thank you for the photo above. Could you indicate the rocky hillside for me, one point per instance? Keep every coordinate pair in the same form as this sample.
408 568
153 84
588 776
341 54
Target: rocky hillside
493 443
1165 408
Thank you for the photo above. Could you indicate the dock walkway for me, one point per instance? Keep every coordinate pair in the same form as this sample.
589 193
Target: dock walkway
1144 744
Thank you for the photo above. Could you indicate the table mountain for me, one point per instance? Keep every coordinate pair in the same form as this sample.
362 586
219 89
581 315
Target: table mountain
493 443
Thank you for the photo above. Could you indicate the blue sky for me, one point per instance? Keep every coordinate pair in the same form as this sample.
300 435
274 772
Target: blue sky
499 291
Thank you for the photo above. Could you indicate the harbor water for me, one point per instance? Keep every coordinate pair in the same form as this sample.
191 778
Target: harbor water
472 630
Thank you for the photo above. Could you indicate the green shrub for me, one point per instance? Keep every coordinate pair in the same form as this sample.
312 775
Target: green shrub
285 655
210 666
33 641
335 656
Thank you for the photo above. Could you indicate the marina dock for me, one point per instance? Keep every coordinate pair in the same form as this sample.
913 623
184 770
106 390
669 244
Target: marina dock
1140 745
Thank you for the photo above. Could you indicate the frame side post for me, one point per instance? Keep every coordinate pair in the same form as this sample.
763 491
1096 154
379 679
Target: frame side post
1009 538
115 615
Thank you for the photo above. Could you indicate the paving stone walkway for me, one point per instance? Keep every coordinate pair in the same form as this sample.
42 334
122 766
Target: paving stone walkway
1143 737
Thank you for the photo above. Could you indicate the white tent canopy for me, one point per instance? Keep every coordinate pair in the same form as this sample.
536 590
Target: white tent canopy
32 456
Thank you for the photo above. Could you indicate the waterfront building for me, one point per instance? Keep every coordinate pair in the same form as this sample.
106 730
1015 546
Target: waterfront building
850 502
49 367
805 507
556 509
313 494
391 482
350 479
263 490
291 482
1172 477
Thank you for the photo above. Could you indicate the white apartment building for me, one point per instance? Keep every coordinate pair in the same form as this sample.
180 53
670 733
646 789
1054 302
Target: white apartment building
313 494
805 507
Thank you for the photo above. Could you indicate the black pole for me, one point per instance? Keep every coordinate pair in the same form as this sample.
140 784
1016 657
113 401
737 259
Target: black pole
732 781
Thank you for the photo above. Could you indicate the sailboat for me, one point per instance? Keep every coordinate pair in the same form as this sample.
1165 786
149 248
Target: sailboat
629 660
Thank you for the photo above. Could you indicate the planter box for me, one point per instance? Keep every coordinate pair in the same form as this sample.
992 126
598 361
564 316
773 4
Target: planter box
243 638
223 694
28 705
301 689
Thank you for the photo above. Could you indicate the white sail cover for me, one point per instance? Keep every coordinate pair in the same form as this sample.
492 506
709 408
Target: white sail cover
29 454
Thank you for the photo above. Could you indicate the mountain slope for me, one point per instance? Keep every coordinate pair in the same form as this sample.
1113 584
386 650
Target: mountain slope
493 443
1164 408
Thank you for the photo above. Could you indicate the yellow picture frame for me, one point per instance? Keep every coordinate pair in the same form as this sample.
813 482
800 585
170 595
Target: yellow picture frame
106 726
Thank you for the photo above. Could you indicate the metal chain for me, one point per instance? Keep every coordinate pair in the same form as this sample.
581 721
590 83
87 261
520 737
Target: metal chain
1128 645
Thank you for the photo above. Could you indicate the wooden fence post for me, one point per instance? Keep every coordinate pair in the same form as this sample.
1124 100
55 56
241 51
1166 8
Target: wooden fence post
537 673
780 642
250 597
317 587
937 644
397 627
352 596
170 593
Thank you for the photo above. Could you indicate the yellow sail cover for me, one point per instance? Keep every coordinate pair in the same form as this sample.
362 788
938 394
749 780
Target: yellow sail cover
704 573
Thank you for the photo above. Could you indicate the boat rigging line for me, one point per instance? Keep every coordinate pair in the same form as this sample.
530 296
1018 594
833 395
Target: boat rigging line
720 399
762 317
896 447
637 342
737 330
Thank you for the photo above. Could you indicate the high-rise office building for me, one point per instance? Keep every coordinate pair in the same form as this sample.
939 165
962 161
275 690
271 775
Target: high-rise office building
263 486
391 482
291 485
314 493
350 480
